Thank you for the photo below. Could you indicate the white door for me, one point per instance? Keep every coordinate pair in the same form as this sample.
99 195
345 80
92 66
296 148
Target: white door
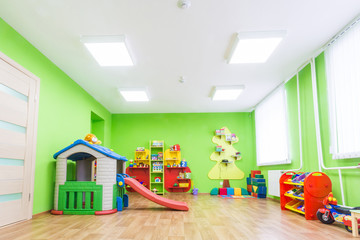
19 91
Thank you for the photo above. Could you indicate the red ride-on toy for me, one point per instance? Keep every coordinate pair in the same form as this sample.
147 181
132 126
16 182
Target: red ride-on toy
335 213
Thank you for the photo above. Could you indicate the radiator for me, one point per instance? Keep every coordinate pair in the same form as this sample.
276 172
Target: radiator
273 182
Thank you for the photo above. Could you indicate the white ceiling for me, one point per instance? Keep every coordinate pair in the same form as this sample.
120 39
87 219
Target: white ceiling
167 42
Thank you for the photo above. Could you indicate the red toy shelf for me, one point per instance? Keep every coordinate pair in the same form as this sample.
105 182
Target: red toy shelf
315 187
141 174
171 177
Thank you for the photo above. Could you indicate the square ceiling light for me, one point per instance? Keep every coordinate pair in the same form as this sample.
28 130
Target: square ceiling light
227 93
108 50
255 47
134 94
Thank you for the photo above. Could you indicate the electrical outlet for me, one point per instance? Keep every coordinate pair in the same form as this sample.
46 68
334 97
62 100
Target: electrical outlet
221 183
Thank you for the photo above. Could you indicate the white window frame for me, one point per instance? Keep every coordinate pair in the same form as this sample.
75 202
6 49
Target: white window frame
262 129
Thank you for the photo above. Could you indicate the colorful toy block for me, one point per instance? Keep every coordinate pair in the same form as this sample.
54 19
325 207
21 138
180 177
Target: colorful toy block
254 172
237 191
244 191
248 181
259 184
262 190
257 180
230 191
256 185
214 191
223 191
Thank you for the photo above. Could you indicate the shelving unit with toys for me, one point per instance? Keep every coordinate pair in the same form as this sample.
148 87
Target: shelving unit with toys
158 170
177 174
228 137
178 179
225 156
172 156
304 192
156 178
219 149
142 156
139 168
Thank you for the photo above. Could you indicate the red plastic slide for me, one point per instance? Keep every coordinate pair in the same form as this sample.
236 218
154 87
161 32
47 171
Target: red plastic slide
154 197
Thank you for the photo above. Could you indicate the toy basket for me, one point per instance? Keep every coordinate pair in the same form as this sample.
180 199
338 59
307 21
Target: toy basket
183 184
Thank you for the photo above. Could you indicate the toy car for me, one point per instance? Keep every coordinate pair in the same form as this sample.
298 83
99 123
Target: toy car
335 213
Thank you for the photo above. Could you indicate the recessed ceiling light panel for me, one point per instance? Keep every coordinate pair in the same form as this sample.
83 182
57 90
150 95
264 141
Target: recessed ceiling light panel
134 94
227 93
255 47
108 50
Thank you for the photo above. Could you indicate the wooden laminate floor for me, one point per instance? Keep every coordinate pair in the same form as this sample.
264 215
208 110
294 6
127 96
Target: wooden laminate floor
209 217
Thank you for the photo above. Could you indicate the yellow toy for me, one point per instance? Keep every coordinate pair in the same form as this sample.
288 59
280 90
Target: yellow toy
92 139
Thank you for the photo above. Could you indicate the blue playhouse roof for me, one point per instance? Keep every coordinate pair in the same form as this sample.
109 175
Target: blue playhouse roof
83 155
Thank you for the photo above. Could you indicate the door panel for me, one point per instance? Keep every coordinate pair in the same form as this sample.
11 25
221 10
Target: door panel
18 120
14 109
11 186
11 211
11 173
16 82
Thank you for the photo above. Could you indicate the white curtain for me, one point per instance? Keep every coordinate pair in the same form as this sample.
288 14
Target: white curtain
271 129
343 76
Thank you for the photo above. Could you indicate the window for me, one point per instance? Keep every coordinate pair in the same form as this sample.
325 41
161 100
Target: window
343 76
271 130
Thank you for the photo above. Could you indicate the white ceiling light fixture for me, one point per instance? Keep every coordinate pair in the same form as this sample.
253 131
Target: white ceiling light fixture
184 4
182 79
108 50
227 93
134 94
255 47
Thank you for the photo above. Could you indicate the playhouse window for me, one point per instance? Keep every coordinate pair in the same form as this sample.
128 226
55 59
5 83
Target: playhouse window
120 166
71 170
82 167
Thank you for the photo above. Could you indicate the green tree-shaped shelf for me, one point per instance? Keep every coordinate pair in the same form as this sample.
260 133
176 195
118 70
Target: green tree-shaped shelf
225 167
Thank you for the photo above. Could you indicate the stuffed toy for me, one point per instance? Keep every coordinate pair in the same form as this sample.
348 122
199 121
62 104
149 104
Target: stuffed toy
92 139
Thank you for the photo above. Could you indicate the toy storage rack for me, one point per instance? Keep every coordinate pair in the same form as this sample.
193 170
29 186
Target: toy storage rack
172 157
156 149
168 175
171 174
141 174
316 186
142 157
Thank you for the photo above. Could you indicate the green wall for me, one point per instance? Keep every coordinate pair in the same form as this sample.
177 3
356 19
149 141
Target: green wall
193 131
351 178
64 111
65 115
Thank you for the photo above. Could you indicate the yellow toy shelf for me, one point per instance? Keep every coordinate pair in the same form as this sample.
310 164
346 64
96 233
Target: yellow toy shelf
293 206
172 157
142 157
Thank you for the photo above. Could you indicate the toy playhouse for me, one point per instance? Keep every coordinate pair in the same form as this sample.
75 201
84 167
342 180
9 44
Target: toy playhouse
93 189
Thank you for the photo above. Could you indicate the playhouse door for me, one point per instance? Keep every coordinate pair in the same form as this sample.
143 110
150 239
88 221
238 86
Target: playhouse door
18 121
